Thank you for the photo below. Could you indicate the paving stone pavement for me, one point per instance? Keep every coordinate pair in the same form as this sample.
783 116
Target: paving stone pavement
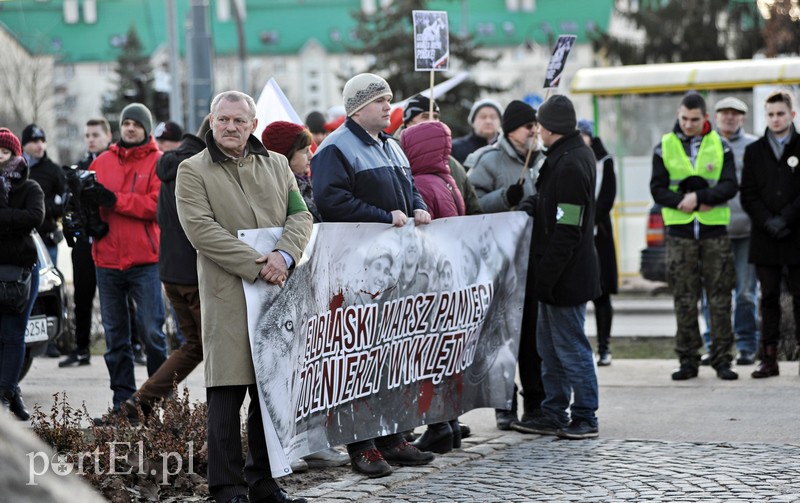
517 468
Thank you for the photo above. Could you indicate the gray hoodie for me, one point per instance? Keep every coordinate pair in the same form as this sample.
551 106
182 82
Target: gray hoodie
739 227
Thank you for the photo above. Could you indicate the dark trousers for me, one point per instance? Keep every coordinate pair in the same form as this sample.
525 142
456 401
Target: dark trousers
770 278
603 314
185 300
85 287
530 363
227 475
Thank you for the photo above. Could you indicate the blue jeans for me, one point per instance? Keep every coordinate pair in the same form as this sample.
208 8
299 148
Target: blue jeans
143 285
567 364
745 301
12 338
53 252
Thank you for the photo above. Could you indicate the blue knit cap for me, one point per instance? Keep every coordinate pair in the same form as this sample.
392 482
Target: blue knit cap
586 127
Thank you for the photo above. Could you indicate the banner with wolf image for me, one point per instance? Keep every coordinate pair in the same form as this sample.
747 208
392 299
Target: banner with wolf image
380 329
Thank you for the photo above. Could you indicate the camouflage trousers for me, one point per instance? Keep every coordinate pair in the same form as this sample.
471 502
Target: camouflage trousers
694 266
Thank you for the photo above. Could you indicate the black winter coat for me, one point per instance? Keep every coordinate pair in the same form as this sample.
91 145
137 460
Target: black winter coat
604 232
566 266
771 187
53 182
465 145
24 212
177 258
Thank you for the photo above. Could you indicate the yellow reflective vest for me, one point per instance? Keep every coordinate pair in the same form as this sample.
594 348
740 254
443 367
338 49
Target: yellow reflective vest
708 165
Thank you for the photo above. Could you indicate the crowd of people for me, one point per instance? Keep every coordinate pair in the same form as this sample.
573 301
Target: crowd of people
169 205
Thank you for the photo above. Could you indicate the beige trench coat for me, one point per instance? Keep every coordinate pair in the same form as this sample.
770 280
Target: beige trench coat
217 196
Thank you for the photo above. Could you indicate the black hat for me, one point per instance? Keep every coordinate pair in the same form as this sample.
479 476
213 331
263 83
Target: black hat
557 115
315 122
416 105
32 132
169 131
517 113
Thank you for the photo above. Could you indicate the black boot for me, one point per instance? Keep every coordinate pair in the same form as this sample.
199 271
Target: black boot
17 406
437 438
769 362
604 314
455 427
504 418
5 399
79 357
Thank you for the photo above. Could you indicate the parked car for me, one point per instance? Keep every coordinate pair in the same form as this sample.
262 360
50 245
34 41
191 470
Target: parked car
653 265
49 315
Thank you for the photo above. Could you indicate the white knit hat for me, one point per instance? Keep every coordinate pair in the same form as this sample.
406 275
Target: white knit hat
362 90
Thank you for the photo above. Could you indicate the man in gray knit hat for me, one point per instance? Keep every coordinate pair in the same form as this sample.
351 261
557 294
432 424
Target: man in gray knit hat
362 175
126 259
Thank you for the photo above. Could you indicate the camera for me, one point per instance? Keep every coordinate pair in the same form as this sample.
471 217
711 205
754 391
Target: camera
81 219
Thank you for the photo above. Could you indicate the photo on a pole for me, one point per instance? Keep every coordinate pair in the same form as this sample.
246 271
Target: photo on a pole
431 40
555 67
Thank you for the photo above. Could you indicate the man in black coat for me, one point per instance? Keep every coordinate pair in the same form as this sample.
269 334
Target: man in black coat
770 194
97 135
51 178
567 275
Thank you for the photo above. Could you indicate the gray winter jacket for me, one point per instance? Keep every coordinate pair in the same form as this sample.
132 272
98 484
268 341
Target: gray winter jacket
739 227
493 168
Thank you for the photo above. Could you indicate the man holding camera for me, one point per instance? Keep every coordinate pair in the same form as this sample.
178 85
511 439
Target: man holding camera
97 135
126 258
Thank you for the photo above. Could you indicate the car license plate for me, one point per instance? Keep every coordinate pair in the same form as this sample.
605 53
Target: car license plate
36 330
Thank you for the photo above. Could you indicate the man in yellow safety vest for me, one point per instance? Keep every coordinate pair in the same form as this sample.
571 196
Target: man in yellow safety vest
693 178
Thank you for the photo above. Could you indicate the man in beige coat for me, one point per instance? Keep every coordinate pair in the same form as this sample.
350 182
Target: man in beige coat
236 184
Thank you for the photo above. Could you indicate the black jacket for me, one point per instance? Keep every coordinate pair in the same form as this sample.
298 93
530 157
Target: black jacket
24 212
724 190
50 177
566 268
604 232
771 187
465 145
177 258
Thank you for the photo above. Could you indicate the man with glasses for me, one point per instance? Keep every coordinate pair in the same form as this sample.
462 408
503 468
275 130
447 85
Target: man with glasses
496 172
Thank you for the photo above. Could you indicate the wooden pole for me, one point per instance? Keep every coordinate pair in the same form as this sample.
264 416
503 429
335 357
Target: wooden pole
430 95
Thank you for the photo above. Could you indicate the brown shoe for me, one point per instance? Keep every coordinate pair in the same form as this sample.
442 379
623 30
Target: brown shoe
370 463
405 454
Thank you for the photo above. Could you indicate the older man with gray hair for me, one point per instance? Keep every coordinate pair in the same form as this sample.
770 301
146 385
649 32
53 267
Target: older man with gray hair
236 184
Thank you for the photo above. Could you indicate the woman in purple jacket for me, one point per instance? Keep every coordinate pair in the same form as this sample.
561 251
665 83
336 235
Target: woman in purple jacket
427 146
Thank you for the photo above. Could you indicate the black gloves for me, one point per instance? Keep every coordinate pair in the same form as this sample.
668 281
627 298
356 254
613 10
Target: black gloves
514 194
98 195
528 205
776 227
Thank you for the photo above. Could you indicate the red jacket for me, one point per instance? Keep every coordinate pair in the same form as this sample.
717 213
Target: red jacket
132 239
427 146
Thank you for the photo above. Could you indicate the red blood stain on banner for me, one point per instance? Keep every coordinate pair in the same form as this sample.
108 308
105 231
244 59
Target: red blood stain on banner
336 301
425 396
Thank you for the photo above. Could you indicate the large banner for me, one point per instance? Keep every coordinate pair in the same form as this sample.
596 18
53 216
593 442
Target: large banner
381 329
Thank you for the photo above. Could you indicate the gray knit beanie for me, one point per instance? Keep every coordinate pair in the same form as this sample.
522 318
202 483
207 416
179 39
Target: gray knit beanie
362 90
140 114
557 115
481 104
